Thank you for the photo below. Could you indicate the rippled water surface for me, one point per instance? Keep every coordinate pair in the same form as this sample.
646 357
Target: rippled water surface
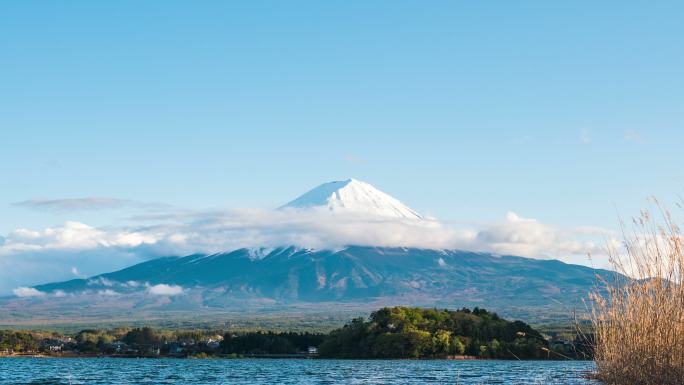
267 371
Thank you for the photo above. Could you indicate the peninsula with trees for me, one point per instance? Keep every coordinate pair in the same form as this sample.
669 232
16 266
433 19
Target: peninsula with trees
389 333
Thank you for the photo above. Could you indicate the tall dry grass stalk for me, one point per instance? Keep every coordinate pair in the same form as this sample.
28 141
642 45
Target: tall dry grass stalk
638 316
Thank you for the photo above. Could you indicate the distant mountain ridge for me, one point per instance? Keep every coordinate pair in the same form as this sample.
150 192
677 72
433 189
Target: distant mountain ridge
354 275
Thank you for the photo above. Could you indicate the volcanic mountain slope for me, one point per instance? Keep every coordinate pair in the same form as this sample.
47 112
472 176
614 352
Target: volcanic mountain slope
355 274
358 277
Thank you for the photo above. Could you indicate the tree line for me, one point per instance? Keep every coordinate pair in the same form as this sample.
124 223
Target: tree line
392 332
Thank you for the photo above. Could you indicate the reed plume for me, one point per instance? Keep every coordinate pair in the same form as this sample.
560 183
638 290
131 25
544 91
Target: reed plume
638 314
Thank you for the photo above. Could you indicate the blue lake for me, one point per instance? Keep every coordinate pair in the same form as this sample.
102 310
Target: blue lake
271 371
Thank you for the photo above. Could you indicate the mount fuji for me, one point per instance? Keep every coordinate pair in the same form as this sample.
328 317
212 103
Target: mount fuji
353 196
292 278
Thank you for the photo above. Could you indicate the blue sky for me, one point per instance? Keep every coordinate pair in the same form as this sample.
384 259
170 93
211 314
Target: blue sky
567 112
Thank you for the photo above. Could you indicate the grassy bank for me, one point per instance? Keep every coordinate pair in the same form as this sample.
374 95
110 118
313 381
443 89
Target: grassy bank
639 322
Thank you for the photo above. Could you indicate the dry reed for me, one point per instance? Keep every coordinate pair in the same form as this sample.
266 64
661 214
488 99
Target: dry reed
638 314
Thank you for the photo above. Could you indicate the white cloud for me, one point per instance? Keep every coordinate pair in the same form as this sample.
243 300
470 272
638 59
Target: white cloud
74 204
107 293
29 257
164 289
71 235
585 136
86 204
100 281
27 292
632 135
531 238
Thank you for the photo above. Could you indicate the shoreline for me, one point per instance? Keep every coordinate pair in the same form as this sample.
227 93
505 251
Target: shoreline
265 357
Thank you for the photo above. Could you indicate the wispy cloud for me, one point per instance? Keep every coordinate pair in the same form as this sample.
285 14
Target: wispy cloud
85 204
29 257
632 135
71 236
108 293
226 230
164 289
27 292
532 238
354 159
585 136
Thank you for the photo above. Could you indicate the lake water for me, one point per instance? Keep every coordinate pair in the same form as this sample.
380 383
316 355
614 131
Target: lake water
270 371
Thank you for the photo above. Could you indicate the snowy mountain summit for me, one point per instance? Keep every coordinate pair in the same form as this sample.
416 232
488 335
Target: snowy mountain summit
353 196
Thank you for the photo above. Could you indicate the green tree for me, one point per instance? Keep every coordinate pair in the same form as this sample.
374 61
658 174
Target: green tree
495 347
420 343
457 347
442 342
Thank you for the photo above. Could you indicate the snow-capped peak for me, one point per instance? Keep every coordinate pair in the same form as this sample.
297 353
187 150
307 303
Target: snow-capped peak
353 196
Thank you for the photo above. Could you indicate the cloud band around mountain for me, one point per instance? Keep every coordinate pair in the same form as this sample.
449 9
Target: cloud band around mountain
29 257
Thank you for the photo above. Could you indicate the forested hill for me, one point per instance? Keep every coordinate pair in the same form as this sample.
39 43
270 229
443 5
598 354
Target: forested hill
402 332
